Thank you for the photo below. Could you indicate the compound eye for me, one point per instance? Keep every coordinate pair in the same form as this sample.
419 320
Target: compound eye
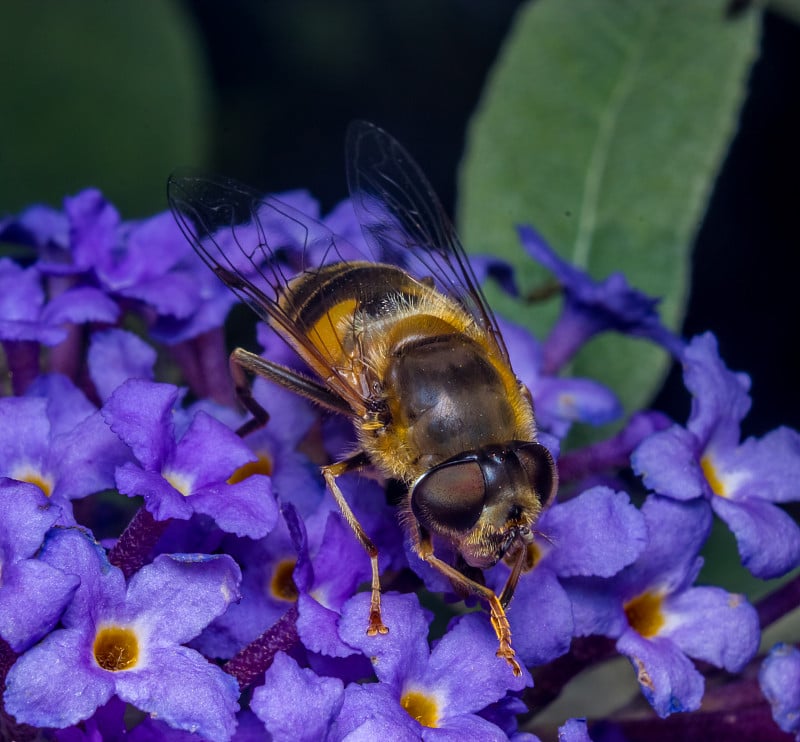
540 470
450 496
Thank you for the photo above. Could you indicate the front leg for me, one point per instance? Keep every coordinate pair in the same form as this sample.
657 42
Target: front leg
330 472
424 549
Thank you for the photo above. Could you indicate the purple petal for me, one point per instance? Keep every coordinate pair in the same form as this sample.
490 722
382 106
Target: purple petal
572 400
720 397
468 650
769 468
462 728
21 292
373 712
32 598
80 305
597 533
767 537
210 451
140 413
24 435
710 624
54 684
115 356
668 679
574 730
295 703
401 653
93 228
318 628
177 595
176 294
541 618
87 458
779 678
183 689
334 585
676 532
25 516
246 508
102 587
66 404
161 499
668 462
596 609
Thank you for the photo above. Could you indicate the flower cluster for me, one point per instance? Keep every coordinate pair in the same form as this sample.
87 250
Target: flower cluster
169 571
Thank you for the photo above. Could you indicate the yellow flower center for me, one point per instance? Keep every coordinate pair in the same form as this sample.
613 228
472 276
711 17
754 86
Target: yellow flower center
421 707
644 614
263 465
717 487
31 475
179 481
116 648
282 584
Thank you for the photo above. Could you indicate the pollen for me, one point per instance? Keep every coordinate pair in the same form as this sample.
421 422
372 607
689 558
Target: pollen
421 707
116 648
644 614
263 465
179 481
282 584
717 487
32 475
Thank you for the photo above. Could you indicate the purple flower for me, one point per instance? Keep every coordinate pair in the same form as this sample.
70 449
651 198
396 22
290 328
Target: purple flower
295 478
659 619
127 641
779 678
117 355
179 478
27 317
422 693
56 439
325 581
742 482
295 703
42 227
574 730
541 612
267 590
591 307
33 594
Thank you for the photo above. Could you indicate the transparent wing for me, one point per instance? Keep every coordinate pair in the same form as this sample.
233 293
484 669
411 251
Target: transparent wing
256 245
405 224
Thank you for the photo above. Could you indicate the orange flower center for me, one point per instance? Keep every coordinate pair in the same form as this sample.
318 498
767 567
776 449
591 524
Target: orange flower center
116 648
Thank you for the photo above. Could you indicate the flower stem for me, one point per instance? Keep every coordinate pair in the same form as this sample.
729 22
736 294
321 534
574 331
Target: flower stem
257 656
132 550
779 602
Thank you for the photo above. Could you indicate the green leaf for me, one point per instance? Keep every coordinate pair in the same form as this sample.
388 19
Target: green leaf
97 93
604 124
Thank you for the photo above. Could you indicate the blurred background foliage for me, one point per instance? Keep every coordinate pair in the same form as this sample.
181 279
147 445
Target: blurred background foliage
111 94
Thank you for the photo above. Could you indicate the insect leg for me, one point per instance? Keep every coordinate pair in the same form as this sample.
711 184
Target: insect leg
243 362
424 549
330 472
522 562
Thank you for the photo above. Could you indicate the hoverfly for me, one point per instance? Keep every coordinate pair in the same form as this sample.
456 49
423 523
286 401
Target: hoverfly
404 344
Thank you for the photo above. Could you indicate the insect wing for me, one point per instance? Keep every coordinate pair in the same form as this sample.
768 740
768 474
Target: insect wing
404 222
256 244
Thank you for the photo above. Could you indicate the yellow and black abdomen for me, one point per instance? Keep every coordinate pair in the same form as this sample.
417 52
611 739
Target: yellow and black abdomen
413 352
338 309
